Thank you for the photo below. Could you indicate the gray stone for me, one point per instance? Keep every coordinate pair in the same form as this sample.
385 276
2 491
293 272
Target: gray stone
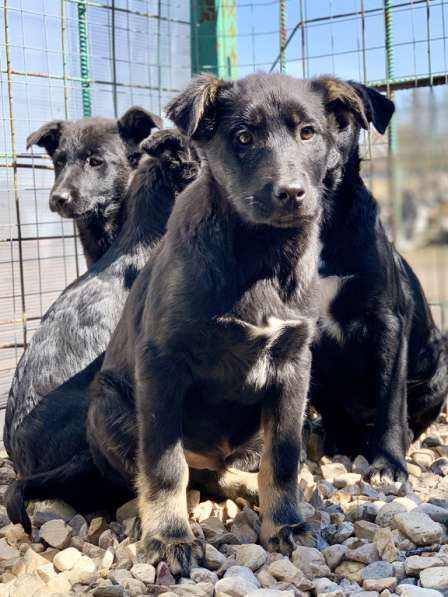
334 555
411 591
56 533
386 515
377 570
250 555
419 527
310 561
127 510
366 554
233 586
435 578
270 593
204 575
212 557
338 533
415 564
7 552
144 572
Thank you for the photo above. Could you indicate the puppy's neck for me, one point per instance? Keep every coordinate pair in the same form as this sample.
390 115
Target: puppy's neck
98 231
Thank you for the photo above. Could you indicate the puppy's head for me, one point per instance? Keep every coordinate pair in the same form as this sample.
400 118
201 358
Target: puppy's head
266 139
93 158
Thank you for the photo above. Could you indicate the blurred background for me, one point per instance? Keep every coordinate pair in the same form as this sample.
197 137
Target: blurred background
74 58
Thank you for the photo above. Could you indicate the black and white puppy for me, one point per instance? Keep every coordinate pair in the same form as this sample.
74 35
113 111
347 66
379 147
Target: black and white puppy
93 159
213 346
47 403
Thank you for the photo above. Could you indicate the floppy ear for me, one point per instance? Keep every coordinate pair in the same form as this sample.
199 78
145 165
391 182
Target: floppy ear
47 136
379 109
340 98
193 111
136 124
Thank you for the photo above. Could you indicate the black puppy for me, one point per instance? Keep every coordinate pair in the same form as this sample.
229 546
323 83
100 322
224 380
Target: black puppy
213 345
93 159
379 362
45 425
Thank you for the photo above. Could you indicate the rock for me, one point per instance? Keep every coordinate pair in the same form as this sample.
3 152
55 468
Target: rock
56 508
440 467
234 586
345 480
435 578
436 513
27 585
386 515
188 587
134 587
332 470
56 533
250 555
118 575
350 570
338 533
423 458
325 585
242 571
14 534
385 544
204 575
270 593
284 570
212 526
380 584
107 560
306 510
212 557
144 572
109 591
96 527
46 572
360 465
6 551
334 555
377 570
411 591
365 594
419 527
127 510
310 561
366 554
66 559
246 526
365 530
415 564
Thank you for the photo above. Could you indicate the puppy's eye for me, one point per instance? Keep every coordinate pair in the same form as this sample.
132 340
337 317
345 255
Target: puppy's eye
60 163
307 133
244 138
134 158
94 161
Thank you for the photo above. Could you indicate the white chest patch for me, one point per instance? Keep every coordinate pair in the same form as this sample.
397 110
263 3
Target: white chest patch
329 289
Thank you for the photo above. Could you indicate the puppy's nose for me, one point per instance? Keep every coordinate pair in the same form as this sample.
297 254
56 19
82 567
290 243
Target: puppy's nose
59 200
284 193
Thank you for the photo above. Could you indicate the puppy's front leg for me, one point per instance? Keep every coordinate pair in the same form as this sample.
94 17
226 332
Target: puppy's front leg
283 414
163 471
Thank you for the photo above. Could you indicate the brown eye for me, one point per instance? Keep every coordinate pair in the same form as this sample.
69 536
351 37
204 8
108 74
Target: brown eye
94 162
307 133
244 138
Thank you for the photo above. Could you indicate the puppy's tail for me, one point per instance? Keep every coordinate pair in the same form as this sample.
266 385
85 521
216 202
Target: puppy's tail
77 482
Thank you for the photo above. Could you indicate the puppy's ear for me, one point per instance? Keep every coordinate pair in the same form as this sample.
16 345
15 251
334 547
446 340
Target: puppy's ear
194 110
378 108
341 100
136 124
48 136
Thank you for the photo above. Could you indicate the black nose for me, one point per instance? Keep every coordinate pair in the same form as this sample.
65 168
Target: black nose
60 199
284 193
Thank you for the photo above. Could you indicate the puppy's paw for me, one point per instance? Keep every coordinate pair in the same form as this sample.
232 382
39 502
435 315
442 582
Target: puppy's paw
180 555
284 538
386 469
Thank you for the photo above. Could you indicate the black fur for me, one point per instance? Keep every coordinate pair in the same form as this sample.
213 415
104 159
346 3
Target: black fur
379 362
77 328
93 159
195 352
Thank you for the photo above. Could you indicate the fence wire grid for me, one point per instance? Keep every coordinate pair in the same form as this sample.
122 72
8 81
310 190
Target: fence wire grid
72 58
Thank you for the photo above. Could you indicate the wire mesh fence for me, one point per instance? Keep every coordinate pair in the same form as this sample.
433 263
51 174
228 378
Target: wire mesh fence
71 58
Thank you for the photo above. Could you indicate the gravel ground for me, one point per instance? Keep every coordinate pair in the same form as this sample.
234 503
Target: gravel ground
372 540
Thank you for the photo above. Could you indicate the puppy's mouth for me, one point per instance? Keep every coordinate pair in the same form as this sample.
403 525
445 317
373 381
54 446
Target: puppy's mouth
262 211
